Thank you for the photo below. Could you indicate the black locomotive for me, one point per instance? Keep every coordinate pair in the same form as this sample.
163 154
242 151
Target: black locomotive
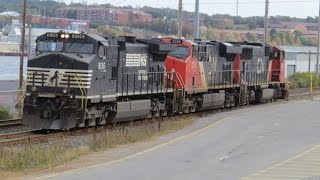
77 80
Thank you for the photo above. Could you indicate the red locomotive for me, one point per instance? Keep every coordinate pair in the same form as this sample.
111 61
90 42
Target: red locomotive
223 74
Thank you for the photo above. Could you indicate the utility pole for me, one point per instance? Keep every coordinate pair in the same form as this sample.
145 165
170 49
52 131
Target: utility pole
29 41
237 7
318 42
23 33
180 19
196 22
266 22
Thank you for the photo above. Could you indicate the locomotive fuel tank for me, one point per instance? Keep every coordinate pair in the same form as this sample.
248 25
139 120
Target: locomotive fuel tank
266 94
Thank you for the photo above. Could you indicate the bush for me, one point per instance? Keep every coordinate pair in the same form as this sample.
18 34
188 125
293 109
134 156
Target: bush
5 113
302 80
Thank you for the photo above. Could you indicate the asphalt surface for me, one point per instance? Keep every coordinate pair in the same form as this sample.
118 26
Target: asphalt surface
235 147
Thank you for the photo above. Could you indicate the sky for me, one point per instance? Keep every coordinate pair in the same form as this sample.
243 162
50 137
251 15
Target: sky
293 8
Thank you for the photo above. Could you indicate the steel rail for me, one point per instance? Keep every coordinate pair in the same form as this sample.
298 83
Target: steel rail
10 122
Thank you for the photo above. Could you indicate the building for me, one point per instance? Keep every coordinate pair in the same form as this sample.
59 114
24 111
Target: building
138 15
307 29
14 35
297 59
91 14
9 47
107 15
10 13
62 23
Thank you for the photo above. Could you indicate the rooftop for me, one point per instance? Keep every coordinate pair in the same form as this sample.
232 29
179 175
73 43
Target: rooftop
299 49
10 13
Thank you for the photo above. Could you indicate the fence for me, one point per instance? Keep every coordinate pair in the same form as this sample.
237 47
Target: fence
11 101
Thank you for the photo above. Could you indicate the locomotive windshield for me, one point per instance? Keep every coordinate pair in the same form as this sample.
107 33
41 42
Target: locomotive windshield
70 47
181 53
79 48
50 46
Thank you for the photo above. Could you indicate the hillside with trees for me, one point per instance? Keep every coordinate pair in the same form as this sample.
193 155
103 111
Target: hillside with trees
164 22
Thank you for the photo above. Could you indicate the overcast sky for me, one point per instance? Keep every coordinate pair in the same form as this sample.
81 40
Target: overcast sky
293 8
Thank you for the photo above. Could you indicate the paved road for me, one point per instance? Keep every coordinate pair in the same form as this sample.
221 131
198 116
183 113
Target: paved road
233 148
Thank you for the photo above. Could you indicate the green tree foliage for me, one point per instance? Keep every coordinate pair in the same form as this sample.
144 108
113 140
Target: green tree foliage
230 37
251 37
289 39
109 31
311 20
211 34
302 80
5 113
34 6
273 34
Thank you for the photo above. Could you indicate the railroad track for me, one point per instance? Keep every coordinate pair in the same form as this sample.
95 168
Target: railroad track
26 137
37 136
10 122
302 94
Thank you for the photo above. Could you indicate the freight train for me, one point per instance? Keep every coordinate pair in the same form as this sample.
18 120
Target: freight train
83 80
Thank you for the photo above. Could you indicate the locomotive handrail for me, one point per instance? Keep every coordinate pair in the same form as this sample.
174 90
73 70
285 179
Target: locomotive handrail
180 79
82 91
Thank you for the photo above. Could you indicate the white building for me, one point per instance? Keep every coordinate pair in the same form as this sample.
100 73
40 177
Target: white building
297 59
14 35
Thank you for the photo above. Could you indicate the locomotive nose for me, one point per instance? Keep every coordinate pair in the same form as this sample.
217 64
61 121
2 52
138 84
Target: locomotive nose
61 61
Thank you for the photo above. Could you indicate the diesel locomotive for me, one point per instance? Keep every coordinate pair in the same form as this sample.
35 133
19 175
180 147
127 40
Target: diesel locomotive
83 80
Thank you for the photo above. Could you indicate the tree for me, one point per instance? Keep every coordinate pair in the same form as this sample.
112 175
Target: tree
252 25
107 31
311 19
251 37
273 34
230 37
173 29
211 34
282 37
289 38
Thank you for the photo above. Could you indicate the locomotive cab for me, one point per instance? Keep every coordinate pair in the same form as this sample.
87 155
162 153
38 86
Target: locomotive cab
277 60
59 77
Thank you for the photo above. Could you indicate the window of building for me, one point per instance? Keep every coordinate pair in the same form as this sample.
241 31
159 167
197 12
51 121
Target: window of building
291 56
291 69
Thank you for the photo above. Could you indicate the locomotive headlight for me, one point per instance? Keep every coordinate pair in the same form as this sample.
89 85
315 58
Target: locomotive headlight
62 36
65 91
33 89
67 36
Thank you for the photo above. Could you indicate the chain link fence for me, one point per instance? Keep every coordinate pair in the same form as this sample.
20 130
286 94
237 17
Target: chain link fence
11 104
